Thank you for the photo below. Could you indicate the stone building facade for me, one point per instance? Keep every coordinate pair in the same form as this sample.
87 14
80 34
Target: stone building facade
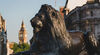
3 37
9 50
85 18
22 34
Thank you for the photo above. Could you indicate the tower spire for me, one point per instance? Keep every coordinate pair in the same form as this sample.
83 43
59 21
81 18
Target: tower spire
23 25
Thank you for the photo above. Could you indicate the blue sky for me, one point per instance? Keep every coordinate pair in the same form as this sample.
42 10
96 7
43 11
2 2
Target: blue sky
14 11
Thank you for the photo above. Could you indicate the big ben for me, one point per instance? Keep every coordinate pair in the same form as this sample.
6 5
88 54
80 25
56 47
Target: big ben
22 34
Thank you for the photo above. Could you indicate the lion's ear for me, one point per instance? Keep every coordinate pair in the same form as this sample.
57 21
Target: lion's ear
54 14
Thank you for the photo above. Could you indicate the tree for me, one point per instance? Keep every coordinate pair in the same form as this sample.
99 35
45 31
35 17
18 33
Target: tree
20 47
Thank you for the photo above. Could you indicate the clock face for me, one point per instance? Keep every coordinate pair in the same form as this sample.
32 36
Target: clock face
21 35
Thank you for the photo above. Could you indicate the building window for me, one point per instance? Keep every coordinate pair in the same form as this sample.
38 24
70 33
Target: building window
91 13
88 13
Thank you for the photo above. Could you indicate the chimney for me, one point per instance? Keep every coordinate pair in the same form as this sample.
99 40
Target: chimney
66 11
61 11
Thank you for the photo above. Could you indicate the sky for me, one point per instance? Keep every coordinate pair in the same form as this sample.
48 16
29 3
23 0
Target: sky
14 11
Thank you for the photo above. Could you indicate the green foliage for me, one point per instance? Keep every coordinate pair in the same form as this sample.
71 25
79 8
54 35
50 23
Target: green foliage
20 47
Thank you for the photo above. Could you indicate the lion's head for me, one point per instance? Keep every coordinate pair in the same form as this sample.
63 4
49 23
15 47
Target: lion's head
44 17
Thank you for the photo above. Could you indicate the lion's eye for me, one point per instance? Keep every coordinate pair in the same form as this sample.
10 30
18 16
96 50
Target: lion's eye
40 16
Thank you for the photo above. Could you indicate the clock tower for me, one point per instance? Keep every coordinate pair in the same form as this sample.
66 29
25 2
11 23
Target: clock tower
22 34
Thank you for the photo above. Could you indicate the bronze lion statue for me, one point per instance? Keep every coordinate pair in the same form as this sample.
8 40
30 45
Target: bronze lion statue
50 35
52 38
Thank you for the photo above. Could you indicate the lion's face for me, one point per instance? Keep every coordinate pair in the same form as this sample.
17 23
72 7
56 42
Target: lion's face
40 19
37 22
